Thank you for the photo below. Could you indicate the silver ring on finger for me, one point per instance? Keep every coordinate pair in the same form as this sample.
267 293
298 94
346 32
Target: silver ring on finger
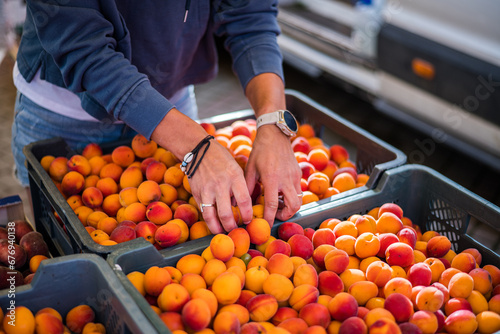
203 205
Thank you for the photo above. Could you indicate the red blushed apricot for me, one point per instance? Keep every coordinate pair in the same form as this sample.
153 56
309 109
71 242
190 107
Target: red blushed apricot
461 321
391 207
338 154
294 325
303 295
408 235
315 314
78 317
353 325
262 307
280 264
329 283
400 306
420 274
318 158
319 254
323 236
301 246
399 254
336 260
277 246
343 306
282 314
288 229
92 197
92 150
438 246
72 183
482 280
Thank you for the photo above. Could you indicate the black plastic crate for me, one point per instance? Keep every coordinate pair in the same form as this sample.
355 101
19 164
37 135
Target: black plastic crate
65 282
65 235
428 198
372 156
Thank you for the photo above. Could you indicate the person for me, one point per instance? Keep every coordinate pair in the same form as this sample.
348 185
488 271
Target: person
98 71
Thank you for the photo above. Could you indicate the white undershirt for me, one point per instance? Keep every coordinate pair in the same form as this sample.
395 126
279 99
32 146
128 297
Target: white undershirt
60 100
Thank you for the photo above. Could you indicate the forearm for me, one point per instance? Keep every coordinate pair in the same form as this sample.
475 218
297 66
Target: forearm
266 93
178 133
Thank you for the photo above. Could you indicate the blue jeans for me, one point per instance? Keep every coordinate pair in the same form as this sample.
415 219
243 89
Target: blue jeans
33 123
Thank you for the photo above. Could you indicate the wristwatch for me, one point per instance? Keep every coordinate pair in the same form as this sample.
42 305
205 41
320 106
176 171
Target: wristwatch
283 119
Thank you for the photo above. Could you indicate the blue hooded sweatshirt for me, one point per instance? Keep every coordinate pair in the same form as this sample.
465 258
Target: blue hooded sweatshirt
124 57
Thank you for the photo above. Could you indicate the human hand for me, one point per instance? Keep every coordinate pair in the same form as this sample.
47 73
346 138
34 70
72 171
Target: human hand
219 180
273 163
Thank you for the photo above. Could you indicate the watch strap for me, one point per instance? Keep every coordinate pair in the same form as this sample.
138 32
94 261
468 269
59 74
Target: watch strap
270 118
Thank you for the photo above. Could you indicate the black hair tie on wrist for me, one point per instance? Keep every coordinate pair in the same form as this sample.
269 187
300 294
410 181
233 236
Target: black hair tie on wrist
193 157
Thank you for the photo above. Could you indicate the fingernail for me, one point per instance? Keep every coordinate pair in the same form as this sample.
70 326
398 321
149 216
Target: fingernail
247 222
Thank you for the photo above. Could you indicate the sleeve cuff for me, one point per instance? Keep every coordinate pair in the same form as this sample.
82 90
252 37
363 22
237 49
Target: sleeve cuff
143 109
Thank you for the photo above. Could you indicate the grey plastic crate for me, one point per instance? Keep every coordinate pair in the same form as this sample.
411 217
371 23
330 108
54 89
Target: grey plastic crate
65 282
429 199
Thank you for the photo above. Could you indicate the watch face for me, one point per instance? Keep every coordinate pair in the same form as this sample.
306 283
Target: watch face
290 121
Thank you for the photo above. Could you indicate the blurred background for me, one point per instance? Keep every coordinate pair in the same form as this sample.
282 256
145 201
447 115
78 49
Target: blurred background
424 76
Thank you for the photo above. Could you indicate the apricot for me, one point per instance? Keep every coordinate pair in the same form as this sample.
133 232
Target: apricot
461 285
92 197
58 168
303 295
336 260
343 306
399 254
343 181
259 231
278 286
135 212
137 280
173 176
345 228
388 222
384 326
400 307
131 177
367 244
305 274
199 230
107 225
241 312
191 263
464 262
353 325
227 288
275 246
438 246
315 314
346 243
173 298
494 273
78 317
338 154
377 313
351 276
488 322
461 321
142 147
329 283
94 328
193 282
379 273
148 191
362 291
429 298
319 254
155 279
46 161
318 183
91 150
72 183
399 285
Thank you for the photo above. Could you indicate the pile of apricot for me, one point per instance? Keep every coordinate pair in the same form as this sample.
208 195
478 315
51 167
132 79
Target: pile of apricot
371 273
80 319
